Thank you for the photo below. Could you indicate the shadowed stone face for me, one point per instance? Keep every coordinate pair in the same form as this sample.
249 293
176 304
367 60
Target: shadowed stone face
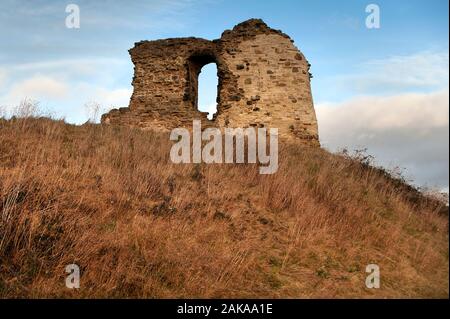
264 81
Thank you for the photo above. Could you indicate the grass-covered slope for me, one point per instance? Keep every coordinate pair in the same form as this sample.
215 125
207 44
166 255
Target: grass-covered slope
110 200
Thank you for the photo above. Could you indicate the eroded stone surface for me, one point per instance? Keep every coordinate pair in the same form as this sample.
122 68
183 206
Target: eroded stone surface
264 81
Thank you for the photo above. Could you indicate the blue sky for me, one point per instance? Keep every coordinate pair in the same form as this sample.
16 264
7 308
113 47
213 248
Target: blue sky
371 87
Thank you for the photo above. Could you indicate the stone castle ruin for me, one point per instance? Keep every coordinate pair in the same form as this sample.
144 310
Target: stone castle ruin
264 81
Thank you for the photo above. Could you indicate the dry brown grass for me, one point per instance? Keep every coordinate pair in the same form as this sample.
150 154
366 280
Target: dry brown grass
109 200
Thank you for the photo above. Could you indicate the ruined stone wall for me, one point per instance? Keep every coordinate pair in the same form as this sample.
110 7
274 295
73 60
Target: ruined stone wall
264 81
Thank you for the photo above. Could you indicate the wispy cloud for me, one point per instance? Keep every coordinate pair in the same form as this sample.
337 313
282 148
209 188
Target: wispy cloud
68 64
39 87
102 14
408 130
426 69
108 98
63 86
423 71
3 75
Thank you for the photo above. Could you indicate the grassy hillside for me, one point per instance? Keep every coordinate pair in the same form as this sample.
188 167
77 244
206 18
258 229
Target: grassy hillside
109 200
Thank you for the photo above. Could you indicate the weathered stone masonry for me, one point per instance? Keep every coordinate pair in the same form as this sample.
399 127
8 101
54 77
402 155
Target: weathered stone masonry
264 80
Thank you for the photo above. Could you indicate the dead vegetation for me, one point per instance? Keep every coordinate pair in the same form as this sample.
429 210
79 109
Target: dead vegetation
109 200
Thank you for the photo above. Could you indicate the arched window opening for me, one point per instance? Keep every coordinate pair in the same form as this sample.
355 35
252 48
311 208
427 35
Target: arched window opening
207 90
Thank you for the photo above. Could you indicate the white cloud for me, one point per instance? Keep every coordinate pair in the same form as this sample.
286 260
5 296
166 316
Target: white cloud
423 70
63 86
2 77
114 98
84 94
38 87
96 71
409 130
101 100
374 113
82 66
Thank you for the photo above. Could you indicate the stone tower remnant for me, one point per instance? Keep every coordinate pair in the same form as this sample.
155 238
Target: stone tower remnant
264 81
